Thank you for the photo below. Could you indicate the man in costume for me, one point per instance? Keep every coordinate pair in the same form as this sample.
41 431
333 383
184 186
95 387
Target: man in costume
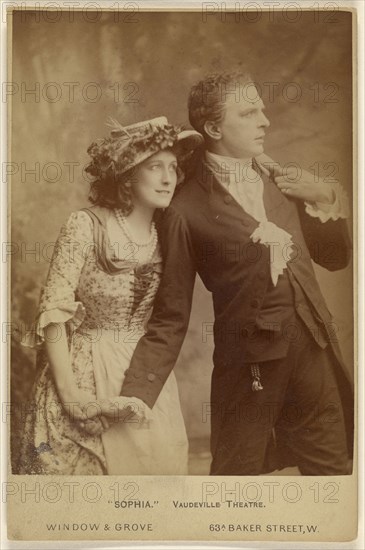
280 393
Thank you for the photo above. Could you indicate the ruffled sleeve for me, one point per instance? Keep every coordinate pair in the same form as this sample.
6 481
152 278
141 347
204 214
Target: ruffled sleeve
58 301
339 209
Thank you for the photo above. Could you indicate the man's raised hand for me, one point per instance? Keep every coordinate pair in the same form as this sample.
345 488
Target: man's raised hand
297 183
304 186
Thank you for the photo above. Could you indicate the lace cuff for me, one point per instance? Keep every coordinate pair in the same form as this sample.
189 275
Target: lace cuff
72 314
324 211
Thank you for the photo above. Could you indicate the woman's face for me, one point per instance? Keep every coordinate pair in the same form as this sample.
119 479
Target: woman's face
154 180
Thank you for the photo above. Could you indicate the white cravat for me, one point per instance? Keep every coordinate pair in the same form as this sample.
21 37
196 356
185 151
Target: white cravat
247 187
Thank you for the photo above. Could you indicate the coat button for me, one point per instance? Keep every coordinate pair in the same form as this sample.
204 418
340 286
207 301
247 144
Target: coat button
255 303
151 377
137 375
228 199
248 330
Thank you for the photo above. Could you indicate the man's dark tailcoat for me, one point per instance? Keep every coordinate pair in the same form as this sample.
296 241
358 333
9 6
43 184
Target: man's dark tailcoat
206 231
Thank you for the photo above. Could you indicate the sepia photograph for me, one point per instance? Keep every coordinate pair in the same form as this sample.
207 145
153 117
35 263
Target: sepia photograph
182 258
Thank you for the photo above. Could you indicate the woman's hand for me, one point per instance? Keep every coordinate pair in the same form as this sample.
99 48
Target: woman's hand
125 409
80 405
95 415
95 426
83 409
111 411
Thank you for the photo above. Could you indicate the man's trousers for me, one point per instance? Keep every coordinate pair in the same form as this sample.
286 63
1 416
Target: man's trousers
296 419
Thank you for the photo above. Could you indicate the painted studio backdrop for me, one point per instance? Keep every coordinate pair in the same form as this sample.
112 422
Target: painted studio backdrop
71 71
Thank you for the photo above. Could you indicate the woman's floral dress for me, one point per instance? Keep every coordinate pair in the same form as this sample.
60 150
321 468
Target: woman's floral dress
104 302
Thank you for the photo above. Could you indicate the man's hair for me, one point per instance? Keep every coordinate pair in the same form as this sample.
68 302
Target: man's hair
208 97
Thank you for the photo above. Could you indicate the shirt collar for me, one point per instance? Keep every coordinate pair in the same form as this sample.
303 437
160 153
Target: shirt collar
226 168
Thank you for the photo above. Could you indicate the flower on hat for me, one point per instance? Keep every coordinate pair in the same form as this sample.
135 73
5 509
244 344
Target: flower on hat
120 152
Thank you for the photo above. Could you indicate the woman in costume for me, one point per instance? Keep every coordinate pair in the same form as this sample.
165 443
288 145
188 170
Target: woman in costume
100 288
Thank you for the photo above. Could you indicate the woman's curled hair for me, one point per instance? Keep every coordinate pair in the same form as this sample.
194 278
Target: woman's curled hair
112 190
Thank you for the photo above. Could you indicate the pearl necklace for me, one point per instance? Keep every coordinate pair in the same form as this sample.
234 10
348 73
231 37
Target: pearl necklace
152 241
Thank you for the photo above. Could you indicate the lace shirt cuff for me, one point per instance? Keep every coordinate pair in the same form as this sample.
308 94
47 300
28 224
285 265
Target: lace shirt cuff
340 208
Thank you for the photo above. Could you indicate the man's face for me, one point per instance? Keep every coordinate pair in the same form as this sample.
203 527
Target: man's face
242 129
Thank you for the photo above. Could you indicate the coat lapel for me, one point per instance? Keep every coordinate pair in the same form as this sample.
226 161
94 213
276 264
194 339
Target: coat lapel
222 203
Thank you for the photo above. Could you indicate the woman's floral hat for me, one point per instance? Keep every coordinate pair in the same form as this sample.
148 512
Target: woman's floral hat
128 146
